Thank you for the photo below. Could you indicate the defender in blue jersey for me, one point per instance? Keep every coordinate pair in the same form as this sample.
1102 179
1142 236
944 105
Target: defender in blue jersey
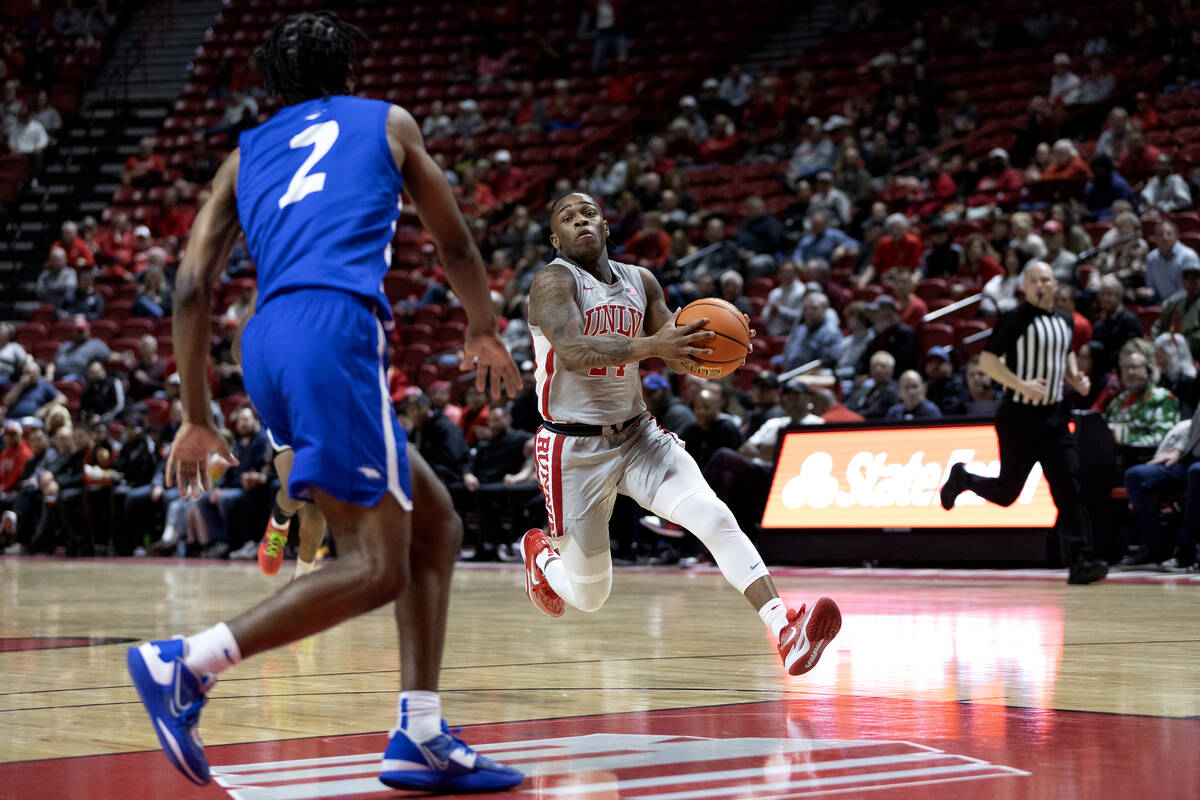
317 192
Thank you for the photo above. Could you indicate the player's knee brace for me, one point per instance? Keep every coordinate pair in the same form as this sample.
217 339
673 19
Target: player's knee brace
703 513
590 596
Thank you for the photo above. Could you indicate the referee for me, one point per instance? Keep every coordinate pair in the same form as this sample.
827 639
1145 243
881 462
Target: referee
1029 353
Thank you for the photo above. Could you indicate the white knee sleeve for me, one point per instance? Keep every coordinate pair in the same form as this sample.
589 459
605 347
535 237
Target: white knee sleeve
583 581
695 506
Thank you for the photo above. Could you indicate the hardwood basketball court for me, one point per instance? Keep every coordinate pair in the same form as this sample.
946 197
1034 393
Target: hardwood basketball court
941 684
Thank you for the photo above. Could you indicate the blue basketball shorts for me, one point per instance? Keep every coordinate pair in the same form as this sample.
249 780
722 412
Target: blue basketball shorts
314 365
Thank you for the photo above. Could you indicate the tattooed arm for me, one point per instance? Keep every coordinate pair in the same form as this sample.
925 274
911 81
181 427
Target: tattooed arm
553 308
658 316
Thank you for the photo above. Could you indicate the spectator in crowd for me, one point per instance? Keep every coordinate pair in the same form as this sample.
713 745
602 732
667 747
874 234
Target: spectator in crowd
764 402
475 196
605 20
473 421
1060 259
469 121
760 237
1164 264
878 392
27 137
438 440
1142 414
689 112
943 256
154 297
100 21
1097 83
501 453
813 154
1115 324
562 109
1038 164
983 394
16 454
853 179
1092 360
74 355
830 199
731 291
815 338
1081 326
823 242
171 220
1175 466
735 87
147 375
1166 192
241 113
784 302
1000 182
103 395
671 412
32 395
199 165
913 403
145 168
229 371
912 308
1181 312
796 402
710 431
12 355
57 282
506 180
68 20
1024 237
892 335
899 248
1066 164
235 510
651 246
1145 115
1177 371
722 144
243 306
1076 235
861 336
944 389
1064 84
86 300
437 124
1114 139
1000 293
79 255
1139 158
1127 261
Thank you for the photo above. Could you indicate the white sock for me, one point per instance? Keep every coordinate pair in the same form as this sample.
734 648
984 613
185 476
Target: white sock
556 574
169 535
774 616
419 714
303 567
212 651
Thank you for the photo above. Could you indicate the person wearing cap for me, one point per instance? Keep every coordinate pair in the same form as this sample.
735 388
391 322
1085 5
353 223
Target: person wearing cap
1165 264
14 456
1060 259
943 255
830 199
689 112
671 412
944 388
70 363
891 335
1181 311
899 248
814 153
1064 84
469 121
32 395
505 179
710 100
1166 192
57 281
913 403
1000 182
763 402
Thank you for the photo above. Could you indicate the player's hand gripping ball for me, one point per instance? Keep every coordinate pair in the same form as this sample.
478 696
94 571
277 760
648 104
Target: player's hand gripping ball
730 343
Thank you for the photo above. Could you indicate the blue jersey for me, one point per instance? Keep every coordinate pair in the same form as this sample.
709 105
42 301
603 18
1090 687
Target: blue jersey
318 195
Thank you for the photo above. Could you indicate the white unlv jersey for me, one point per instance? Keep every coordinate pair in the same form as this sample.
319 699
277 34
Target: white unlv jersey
604 395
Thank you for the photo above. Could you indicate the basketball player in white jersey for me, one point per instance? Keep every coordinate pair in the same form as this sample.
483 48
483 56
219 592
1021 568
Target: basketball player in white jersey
593 320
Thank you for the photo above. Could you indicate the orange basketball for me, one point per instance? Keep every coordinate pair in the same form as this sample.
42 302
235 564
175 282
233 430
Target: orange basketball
729 346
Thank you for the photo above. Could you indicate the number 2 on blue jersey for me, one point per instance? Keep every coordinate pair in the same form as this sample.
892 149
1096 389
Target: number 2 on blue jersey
321 138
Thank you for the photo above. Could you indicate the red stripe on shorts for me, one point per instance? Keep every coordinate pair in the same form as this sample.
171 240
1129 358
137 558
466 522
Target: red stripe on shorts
546 388
556 477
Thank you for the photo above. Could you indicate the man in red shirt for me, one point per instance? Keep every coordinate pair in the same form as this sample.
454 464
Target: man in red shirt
1138 161
79 255
899 248
13 457
1146 115
650 246
173 221
912 308
505 179
1000 183
146 168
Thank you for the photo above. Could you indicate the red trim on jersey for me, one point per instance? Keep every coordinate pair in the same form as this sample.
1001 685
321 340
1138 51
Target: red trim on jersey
546 388
556 478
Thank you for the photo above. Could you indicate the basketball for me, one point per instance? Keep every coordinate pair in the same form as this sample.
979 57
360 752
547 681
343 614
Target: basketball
729 346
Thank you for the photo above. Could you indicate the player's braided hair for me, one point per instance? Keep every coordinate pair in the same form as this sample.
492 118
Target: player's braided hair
308 56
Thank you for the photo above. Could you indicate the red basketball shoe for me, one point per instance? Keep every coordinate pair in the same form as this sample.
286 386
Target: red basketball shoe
807 633
270 549
540 594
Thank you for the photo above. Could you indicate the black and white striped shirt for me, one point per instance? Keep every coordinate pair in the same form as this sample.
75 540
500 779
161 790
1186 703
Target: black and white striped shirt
1034 344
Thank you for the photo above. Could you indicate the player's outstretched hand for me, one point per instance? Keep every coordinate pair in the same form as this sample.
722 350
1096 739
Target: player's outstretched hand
187 465
753 332
675 342
486 354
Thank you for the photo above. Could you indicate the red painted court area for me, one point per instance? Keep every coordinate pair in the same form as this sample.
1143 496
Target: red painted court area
825 746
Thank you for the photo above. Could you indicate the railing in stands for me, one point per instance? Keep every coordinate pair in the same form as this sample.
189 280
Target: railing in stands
966 302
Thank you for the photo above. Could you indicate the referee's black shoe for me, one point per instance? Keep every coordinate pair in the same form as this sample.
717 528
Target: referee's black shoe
954 486
1082 572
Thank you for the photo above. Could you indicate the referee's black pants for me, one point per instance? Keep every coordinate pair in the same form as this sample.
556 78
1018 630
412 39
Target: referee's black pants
1029 435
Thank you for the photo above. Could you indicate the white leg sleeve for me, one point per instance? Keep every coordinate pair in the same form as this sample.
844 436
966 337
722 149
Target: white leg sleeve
686 499
583 580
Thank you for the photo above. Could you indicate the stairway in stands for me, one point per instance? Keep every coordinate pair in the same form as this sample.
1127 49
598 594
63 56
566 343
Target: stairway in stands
808 27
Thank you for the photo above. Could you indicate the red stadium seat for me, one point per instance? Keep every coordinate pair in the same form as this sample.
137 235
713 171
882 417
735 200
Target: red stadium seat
935 334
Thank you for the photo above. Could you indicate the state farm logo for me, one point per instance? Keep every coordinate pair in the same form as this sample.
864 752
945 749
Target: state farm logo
871 480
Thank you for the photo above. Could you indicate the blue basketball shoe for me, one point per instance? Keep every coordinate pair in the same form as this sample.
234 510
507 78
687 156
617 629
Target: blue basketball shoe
173 697
443 764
